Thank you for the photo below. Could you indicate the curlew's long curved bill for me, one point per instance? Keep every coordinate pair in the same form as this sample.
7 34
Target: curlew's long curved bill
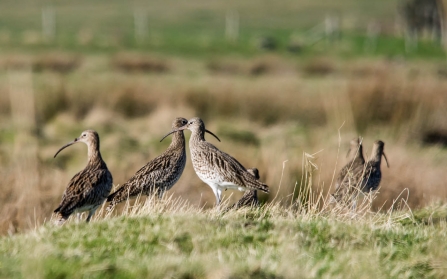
183 128
65 146
173 131
384 156
209 132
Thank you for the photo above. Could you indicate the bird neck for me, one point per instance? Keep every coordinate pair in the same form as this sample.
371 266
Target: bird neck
197 137
357 154
94 156
376 157
178 141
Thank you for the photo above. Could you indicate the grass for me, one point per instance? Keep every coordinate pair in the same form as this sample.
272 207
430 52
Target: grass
268 121
288 113
171 238
197 29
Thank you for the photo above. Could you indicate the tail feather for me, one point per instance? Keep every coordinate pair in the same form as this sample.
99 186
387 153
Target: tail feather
264 187
57 209
251 179
258 185
111 196
253 184
110 207
119 196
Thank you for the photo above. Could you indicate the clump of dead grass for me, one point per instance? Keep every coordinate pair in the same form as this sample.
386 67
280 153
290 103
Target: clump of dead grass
256 67
19 62
319 67
51 100
57 62
221 66
133 101
390 99
132 63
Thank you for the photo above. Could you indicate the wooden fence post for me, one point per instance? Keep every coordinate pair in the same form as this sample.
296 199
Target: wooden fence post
48 23
232 25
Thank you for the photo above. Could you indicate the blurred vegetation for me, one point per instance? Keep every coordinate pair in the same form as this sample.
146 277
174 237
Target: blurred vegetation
277 89
285 85
268 121
198 27
244 137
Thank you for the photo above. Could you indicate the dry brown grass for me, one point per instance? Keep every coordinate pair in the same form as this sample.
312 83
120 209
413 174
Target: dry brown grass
268 122
58 62
132 63
268 64
319 67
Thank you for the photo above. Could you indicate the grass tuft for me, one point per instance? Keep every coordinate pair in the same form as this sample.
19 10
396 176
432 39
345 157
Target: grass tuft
57 62
132 63
319 67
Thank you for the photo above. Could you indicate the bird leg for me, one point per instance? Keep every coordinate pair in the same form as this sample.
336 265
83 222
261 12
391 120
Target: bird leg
217 193
90 214
160 193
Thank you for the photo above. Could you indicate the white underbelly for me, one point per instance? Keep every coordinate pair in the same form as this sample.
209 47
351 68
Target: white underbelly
216 181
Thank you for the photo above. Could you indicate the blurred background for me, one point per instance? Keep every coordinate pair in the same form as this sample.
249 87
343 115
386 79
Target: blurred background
284 84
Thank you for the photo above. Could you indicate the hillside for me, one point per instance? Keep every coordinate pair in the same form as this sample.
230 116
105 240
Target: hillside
267 243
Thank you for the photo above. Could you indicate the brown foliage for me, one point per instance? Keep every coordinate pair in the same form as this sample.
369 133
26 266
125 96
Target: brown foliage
57 62
132 63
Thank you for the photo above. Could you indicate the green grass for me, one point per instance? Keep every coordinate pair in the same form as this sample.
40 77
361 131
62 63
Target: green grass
197 28
271 242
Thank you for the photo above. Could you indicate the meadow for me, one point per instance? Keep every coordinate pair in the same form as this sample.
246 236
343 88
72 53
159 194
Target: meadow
279 121
289 111
173 239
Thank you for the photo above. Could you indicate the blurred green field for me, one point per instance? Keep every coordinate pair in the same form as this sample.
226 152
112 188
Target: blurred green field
197 28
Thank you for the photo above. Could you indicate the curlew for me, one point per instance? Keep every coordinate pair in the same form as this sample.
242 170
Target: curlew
351 171
214 167
159 175
372 175
365 179
250 197
89 188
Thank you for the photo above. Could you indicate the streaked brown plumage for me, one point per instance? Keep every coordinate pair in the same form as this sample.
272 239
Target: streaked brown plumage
364 179
216 168
348 175
89 188
160 174
250 197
